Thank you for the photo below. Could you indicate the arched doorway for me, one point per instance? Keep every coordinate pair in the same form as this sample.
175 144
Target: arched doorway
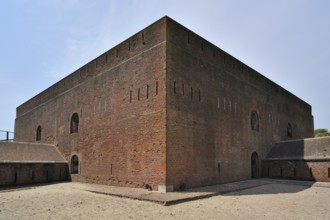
254 165
74 164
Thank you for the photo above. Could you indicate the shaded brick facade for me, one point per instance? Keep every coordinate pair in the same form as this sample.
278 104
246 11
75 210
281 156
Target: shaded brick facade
21 173
305 159
30 163
167 108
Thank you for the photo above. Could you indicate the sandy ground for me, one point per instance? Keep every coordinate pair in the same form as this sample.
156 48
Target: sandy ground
63 201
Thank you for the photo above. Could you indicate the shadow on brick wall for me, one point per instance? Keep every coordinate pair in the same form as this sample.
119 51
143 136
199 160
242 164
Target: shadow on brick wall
19 174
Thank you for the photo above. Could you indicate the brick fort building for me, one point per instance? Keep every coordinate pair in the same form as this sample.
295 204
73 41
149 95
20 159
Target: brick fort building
165 108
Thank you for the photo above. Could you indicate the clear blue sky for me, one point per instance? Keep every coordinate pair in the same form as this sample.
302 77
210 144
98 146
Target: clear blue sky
42 41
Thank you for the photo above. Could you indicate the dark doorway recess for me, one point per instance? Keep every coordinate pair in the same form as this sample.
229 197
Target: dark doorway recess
254 165
75 165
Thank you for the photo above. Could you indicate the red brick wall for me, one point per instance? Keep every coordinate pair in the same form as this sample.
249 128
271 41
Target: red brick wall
300 170
121 138
209 136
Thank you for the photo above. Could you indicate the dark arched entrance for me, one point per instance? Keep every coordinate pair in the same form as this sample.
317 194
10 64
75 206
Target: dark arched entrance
74 164
254 165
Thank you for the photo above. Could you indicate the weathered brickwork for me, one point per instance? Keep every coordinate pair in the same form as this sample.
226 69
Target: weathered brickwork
30 163
21 173
312 170
305 159
210 97
121 108
165 107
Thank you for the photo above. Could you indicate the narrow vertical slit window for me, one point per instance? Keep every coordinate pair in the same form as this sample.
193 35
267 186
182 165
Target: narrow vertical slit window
156 87
106 58
139 94
174 89
110 169
191 93
117 52
143 42
147 91
199 95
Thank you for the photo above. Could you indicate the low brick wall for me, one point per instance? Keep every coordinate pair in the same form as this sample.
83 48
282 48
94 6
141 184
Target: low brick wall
12 174
313 170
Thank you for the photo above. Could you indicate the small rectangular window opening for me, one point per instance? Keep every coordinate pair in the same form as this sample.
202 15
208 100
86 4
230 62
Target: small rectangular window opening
192 93
329 172
117 52
106 58
199 95
110 169
219 168
174 89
